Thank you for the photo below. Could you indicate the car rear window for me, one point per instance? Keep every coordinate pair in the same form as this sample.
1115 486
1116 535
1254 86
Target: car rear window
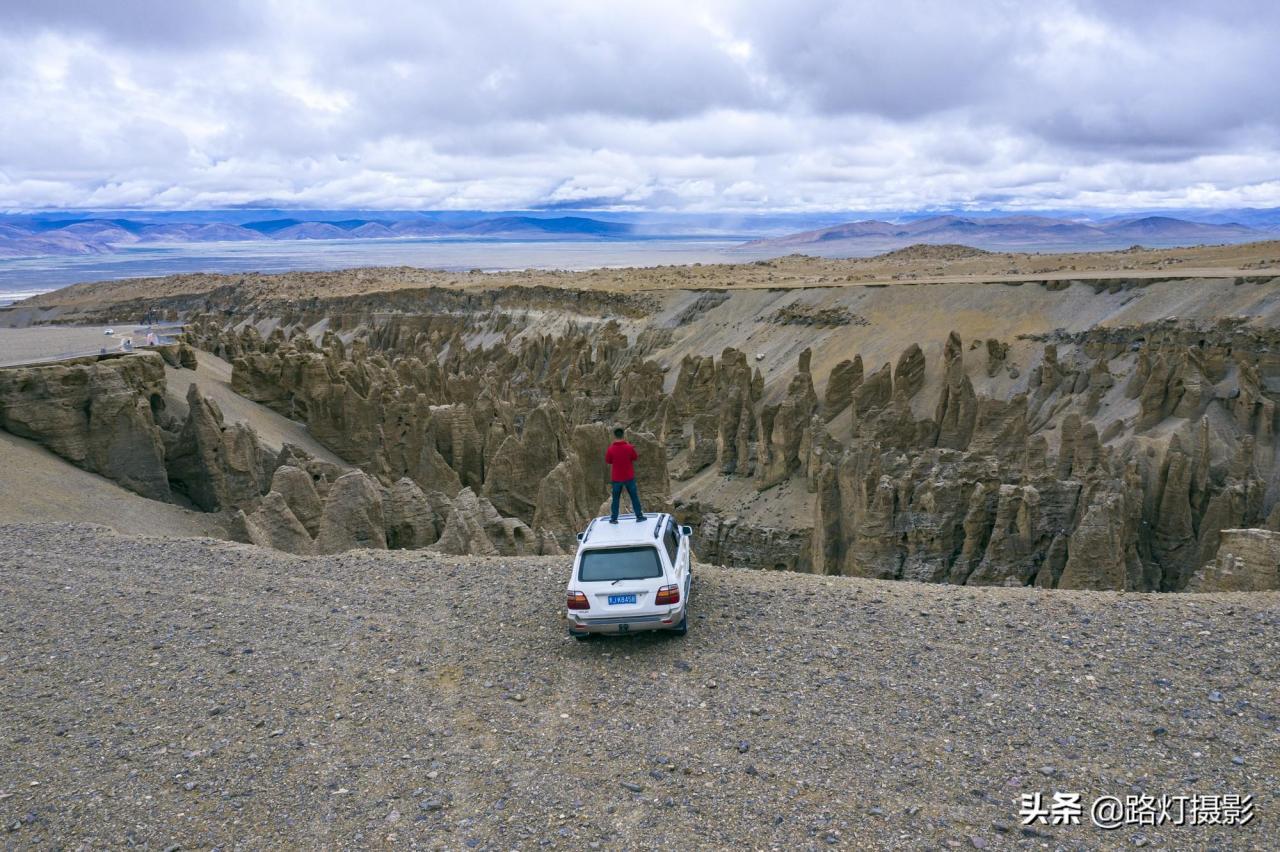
620 563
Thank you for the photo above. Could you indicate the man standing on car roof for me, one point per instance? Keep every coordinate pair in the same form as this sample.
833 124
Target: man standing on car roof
621 458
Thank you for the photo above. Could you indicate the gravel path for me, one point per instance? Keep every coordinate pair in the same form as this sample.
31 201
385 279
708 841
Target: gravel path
188 693
49 342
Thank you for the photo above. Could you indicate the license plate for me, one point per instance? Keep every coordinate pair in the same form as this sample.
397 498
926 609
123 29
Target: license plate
621 599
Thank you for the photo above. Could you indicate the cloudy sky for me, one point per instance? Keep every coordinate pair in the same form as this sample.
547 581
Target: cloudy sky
798 105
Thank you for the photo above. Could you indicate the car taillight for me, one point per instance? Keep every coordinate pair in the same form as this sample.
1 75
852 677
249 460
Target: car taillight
577 600
667 595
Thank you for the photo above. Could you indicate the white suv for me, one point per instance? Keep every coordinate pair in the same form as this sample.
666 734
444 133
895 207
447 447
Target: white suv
631 576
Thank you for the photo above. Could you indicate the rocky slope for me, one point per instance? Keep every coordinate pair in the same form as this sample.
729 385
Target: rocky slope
1089 434
200 694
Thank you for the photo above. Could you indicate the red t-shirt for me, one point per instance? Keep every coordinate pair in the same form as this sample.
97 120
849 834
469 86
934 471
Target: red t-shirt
620 455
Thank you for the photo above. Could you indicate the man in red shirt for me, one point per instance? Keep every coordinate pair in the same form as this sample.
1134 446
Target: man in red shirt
621 457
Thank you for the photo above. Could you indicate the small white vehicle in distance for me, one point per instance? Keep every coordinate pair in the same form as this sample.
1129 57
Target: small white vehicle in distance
631 576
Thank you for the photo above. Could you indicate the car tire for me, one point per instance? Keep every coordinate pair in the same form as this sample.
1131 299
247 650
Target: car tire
581 637
683 627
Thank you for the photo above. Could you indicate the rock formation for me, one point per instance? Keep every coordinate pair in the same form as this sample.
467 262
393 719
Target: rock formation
216 466
353 515
102 416
1111 458
412 519
296 488
845 378
273 524
109 416
1247 561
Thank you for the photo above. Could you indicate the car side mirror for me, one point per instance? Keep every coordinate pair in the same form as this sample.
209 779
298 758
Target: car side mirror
579 536
686 531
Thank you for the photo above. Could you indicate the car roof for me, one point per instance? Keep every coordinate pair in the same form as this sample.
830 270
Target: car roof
601 533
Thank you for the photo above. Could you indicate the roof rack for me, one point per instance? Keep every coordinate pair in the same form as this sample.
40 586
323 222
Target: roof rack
660 519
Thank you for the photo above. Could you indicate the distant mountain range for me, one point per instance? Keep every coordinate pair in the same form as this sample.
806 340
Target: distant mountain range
33 235
102 236
1011 233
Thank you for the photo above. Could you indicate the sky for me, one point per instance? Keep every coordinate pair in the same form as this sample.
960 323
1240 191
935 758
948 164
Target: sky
802 105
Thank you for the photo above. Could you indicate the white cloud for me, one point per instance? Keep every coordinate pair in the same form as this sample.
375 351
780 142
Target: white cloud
809 104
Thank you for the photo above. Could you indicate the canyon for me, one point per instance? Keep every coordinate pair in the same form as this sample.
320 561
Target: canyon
1110 432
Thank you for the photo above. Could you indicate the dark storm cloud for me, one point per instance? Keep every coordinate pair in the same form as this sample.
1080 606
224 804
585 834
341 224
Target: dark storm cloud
661 104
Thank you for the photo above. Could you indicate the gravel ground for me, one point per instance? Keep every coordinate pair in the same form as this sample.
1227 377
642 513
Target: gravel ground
48 342
188 693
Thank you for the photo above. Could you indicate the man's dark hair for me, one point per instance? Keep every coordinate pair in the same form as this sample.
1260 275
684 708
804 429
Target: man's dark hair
617 432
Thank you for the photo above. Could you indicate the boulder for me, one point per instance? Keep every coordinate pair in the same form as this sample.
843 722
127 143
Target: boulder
186 356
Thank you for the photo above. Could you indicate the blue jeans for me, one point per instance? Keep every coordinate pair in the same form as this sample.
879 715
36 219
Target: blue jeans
630 485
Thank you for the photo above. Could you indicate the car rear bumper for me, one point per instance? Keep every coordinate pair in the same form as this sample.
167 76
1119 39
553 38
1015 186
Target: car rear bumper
579 623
